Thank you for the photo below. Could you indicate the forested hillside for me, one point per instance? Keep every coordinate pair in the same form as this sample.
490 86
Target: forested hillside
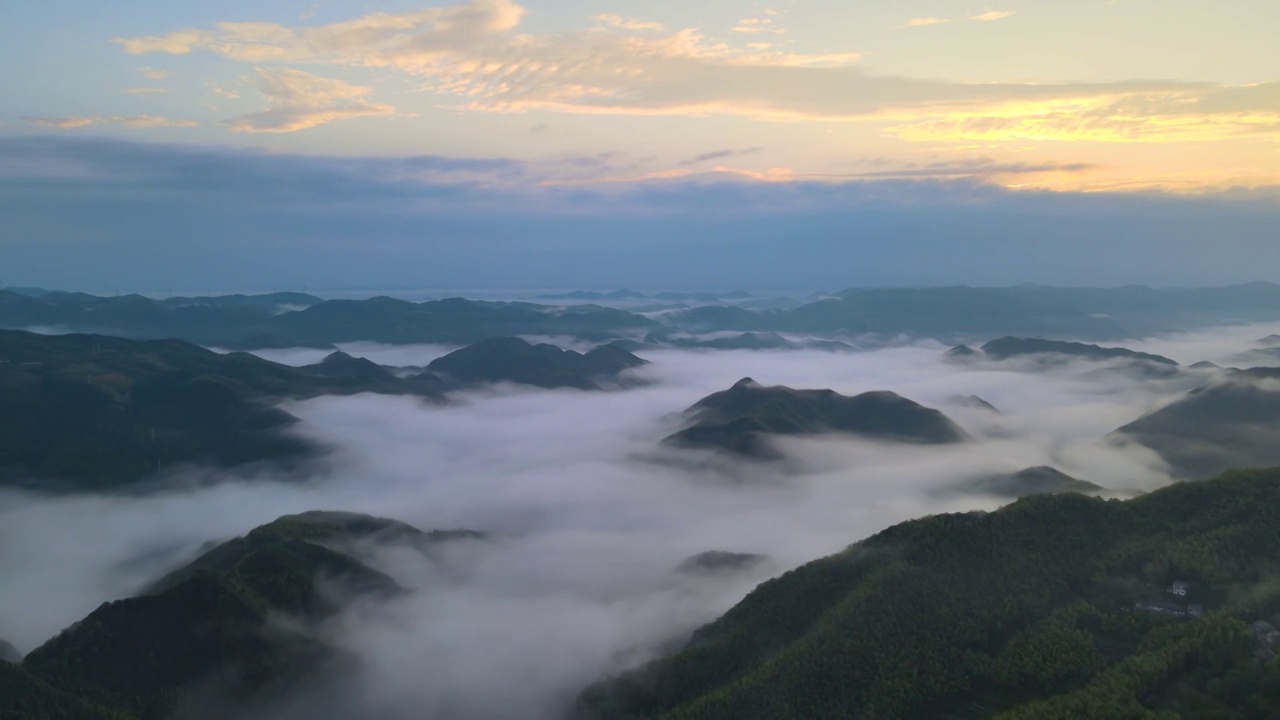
1057 606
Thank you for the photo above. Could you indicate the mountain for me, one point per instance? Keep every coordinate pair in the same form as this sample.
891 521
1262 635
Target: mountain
972 402
771 341
961 353
738 419
1055 606
718 561
717 318
948 312
296 320
279 559
1012 347
1230 422
1270 341
353 374
211 630
741 341
1029 481
546 366
96 412
1258 356
452 321
275 302
1097 314
197 319
24 696
9 653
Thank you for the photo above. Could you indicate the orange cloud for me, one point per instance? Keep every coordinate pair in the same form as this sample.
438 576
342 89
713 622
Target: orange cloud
984 17
132 121
300 100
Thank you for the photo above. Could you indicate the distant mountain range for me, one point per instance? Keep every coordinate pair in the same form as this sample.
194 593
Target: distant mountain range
954 313
742 419
633 295
82 412
741 341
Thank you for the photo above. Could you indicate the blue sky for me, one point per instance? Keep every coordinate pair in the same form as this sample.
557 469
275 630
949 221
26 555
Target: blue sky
464 120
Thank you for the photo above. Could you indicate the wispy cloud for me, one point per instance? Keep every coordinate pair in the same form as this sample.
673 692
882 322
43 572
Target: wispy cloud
719 155
984 17
968 168
132 121
760 23
623 23
151 73
146 90
299 100
1185 114
473 55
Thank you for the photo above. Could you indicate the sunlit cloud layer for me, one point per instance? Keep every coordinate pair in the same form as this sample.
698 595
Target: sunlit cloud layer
984 17
300 100
131 121
815 89
474 55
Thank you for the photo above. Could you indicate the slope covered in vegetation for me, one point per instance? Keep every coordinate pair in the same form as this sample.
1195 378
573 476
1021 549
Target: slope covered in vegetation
94 412
1057 606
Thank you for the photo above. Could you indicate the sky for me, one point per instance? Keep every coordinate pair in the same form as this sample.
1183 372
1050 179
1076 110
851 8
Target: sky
160 137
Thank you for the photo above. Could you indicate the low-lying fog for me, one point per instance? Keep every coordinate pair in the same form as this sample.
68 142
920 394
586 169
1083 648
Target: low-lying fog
592 519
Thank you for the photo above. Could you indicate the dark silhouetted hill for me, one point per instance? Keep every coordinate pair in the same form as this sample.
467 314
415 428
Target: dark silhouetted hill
546 366
1012 347
741 418
209 629
97 412
719 561
972 402
1030 481
1228 423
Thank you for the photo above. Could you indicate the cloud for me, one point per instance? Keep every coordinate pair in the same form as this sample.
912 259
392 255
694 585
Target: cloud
617 21
719 155
580 582
472 56
132 121
146 90
984 17
1185 114
300 101
973 167
91 213
151 73
225 93
757 24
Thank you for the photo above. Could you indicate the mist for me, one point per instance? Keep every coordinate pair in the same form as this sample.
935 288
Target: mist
588 515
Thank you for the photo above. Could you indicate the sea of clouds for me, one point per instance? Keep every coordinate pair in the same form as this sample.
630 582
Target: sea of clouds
589 516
